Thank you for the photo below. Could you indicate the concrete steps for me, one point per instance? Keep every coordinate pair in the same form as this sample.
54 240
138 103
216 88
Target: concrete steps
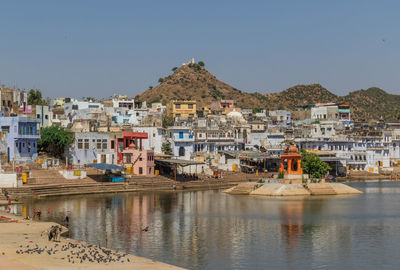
320 189
243 188
277 189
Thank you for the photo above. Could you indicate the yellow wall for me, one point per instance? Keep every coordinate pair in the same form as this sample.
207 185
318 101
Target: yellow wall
183 110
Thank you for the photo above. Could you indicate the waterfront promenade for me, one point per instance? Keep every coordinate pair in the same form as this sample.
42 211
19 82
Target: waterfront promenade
24 245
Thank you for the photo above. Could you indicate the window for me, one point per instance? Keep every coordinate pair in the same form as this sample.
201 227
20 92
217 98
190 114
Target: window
140 170
5 128
178 115
80 144
105 143
140 158
74 107
46 117
128 158
149 170
181 151
29 147
38 116
154 135
191 115
98 144
180 134
112 144
86 143
190 106
177 106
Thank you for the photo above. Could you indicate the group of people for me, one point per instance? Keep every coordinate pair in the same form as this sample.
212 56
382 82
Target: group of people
190 176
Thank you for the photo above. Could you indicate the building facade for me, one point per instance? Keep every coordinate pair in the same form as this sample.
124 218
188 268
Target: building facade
22 135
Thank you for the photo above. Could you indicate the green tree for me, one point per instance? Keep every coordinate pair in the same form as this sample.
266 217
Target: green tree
54 140
167 121
89 99
35 98
166 148
160 80
150 87
201 63
174 69
313 165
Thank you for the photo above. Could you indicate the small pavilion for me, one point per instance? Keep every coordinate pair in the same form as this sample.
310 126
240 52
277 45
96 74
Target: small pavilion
293 161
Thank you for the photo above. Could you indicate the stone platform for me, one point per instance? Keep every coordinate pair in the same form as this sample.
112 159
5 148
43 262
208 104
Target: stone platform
281 189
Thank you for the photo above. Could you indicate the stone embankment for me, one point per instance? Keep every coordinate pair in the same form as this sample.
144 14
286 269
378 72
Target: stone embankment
43 185
278 189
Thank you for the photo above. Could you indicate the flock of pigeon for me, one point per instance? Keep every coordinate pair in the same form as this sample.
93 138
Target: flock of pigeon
77 253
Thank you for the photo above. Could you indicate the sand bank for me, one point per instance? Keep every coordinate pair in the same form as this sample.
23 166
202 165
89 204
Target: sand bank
24 245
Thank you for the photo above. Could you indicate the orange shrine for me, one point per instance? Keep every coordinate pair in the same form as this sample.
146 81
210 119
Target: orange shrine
292 160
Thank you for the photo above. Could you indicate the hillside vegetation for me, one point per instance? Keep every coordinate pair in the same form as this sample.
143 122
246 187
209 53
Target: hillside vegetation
193 81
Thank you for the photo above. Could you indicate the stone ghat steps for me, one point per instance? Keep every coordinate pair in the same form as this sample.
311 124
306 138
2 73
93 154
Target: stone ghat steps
46 173
276 189
107 187
242 189
320 189
59 181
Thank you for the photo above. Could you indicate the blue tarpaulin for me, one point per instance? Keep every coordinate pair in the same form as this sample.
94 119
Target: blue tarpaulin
104 166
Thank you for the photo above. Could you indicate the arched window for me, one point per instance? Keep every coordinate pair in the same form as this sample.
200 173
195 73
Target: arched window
181 151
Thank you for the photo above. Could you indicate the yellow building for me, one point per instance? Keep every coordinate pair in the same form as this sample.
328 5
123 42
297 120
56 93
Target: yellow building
182 108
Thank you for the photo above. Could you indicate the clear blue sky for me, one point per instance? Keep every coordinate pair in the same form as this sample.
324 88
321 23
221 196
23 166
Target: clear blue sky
98 48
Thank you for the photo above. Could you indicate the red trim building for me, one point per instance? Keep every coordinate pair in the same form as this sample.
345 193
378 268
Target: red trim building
128 138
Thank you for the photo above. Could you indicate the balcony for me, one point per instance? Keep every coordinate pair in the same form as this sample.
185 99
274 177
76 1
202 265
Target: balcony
28 136
183 138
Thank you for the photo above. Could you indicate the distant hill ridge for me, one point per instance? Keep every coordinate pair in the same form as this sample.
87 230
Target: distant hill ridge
192 81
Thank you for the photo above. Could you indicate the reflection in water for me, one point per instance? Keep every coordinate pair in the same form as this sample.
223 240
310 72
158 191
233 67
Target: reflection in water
213 230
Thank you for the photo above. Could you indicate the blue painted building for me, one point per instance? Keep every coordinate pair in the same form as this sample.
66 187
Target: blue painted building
22 135
182 141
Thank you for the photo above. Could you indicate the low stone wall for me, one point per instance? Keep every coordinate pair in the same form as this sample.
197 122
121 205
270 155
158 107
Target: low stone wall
73 174
9 180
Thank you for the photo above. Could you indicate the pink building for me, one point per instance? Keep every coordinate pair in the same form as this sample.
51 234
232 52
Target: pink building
227 104
142 161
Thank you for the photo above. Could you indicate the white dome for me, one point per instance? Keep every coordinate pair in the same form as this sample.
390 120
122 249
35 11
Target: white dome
234 114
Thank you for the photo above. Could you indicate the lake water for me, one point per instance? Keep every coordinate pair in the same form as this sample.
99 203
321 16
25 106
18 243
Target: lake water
213 230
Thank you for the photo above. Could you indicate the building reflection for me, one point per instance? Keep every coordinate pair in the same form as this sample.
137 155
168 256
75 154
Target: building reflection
212 230
291 222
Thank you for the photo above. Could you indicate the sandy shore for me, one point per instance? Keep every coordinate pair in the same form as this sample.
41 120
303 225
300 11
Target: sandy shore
24 245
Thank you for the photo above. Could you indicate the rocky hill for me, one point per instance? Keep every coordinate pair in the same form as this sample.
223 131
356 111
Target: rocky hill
300 95
373 103
194 82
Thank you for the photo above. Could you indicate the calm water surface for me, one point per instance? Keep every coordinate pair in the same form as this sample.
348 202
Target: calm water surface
213 230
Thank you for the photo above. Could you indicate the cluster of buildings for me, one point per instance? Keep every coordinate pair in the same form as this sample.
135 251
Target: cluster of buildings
220 136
